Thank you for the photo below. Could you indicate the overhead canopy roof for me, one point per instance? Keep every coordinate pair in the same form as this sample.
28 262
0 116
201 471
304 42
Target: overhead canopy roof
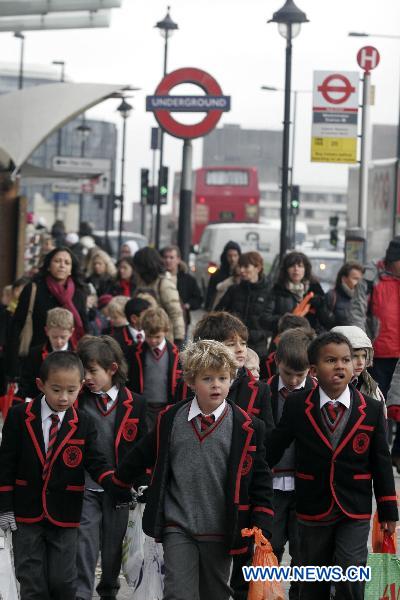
29 116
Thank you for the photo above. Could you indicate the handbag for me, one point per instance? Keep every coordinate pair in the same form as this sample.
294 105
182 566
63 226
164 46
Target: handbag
385 574
8 582
26 334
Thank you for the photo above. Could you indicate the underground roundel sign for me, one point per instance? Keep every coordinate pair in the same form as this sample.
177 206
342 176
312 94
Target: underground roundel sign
163 104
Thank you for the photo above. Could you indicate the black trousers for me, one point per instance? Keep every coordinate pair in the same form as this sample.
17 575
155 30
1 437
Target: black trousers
45 561
285 529
344 544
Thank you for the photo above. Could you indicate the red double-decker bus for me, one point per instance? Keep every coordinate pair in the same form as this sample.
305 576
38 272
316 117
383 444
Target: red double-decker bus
224 195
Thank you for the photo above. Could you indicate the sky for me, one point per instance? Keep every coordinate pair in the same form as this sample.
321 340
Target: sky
232 40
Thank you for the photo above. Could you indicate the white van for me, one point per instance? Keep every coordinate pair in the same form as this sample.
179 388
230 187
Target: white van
262 237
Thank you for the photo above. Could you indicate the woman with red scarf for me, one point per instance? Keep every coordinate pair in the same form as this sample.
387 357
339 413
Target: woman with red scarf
58 284
125 283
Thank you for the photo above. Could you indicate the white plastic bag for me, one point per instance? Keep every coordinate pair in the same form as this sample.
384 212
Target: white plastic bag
8 582
142 560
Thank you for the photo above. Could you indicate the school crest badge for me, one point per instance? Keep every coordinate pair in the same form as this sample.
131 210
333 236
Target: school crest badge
361 443
247 464
129 431
72 456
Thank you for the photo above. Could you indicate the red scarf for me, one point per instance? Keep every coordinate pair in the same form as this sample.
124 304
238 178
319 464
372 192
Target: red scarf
64 294
125 286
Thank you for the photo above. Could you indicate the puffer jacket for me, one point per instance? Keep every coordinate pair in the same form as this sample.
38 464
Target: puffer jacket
167 297
375 308
282 301
248 301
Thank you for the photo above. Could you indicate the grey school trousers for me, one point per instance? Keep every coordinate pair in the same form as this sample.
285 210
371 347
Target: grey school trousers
45 561
195 570
102 529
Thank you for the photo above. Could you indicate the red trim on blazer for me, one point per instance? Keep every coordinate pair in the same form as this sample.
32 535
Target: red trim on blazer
6 488
139 351
29 519
21 482
244 506
75 488
77 442
252 384
28 421
45 352
270 360
175 352
121 483
160 414
304 476
127 338
269 511
239 551
367 427
363 476
184 390
316 517
128 403
310 405
103 475
247 427
387 499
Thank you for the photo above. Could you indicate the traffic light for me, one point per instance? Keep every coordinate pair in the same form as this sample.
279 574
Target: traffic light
163 183
295 200
334 236
144 185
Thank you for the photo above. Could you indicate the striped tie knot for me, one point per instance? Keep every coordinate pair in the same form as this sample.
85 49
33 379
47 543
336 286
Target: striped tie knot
333 409
105 398
284 392
55 419
157 352
139 337
206 421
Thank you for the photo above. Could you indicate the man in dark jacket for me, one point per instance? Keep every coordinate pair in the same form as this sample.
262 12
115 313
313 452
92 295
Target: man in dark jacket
189 292
229 260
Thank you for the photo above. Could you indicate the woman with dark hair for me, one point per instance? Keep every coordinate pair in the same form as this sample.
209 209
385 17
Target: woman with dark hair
58 284
150 273
248 299
125 282
338 299
295 281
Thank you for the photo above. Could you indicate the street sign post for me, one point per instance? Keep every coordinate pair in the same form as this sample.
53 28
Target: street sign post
163 104
367 58
335 113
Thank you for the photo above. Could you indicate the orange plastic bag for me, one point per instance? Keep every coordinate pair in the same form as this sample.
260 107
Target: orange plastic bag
304 306
263 557
381 541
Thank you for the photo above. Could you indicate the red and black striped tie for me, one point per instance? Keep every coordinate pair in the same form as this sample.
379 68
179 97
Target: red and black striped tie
55 419
206 422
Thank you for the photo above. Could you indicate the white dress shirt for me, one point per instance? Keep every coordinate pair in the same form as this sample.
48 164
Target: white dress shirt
134 333
195 410
46 413
344 398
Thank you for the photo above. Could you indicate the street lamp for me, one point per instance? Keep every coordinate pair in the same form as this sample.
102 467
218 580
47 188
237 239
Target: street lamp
60 63
392 37
289 19
124 110
20 36
84 131
166 27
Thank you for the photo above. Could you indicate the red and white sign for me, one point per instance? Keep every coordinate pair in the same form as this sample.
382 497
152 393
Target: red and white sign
335 90
368 58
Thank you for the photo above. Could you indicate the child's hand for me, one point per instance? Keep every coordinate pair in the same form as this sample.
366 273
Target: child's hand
7 521
389 526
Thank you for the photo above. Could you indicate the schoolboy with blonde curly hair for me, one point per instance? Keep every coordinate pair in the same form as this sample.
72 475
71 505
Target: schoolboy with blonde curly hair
210 478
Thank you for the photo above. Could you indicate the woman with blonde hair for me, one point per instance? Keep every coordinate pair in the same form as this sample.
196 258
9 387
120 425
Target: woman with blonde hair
101 272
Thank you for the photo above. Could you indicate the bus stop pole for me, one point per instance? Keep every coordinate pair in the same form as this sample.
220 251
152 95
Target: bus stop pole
185 202
365 155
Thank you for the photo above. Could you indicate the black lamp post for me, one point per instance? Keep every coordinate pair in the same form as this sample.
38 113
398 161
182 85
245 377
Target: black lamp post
289 19
124 110
84 131
167 26
59 63
20 36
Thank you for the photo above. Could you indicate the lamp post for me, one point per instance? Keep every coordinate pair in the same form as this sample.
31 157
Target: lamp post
167 26
124 110
84 131
397 184
289 19
20 36
60 63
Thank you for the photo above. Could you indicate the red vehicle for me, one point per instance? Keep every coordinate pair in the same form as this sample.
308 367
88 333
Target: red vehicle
224 195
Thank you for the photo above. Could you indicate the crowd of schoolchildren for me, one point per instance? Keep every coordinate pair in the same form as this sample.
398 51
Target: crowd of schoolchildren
289 437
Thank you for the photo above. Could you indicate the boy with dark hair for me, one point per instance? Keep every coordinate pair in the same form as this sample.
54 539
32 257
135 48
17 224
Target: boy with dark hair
249 394
131 333
153 365
340 448
46 445
59 330
210 478
292 365
119 417
286 322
